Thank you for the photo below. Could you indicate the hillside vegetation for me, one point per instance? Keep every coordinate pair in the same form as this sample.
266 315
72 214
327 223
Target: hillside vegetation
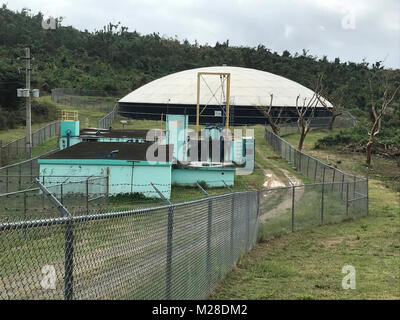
116 60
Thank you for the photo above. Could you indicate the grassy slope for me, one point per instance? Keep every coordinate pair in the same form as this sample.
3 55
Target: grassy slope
13 134
87 116
308 264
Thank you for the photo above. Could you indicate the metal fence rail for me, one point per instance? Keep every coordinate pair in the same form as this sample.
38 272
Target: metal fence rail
179 251
174 251
21 175
318 171
346 120
105 122
87 195
99 100
16 149
288 209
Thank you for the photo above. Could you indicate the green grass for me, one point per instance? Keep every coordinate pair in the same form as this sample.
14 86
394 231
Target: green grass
383 169
88 116
307 264
19 132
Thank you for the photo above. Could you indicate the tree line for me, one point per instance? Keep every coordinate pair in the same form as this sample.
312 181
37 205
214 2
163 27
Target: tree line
114 58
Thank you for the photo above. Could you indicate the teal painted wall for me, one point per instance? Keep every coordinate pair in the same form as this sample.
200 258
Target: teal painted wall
144 174
177 134
72 141
212 176
125 176
71 125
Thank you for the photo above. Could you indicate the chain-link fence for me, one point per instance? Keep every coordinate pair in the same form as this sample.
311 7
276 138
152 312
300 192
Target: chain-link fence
16 149
21 175
177 251
174 251
345 120
289 209
105 122
320 172
99 100
88 195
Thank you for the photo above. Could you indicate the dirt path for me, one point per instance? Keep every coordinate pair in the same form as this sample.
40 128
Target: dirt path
273 181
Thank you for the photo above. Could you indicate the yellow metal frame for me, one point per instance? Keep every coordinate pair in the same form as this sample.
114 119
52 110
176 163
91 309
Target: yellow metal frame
228 91
69 115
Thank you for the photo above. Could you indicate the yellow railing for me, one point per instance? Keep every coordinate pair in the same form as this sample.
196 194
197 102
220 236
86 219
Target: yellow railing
68 115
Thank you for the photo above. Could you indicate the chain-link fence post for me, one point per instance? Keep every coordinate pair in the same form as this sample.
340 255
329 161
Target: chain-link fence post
87 196
341 186
209 232
25 207
248 211
6 180
300 161
293 196
69 260
315 171
61 193
169 252
1 153
69 243
20 177
322 196
108 184
367 187
347 199
232 228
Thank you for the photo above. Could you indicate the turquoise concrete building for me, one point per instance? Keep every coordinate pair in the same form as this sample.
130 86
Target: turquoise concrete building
121 156
212 176
125 164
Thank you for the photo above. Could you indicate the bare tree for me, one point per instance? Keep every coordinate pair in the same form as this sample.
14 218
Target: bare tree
274 122
306 112
337 106
378 113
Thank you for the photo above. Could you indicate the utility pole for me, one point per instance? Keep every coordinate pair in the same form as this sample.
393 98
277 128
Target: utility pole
28 140
27 93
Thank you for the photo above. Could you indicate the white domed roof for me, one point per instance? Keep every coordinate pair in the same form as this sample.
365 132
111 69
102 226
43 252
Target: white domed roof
249 87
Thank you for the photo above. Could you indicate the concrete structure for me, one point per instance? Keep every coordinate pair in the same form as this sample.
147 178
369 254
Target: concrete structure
122 156
176 94
72 137
129 171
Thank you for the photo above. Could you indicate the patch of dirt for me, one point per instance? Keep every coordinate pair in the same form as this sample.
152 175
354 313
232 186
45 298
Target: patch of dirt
273 181
327 243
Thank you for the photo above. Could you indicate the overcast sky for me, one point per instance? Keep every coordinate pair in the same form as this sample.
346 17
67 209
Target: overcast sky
351 30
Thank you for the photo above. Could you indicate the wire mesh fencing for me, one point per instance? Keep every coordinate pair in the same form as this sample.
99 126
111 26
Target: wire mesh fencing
290 209
345 120
177 251
106 121
16 149
80 197
20 176
99 100
320 172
